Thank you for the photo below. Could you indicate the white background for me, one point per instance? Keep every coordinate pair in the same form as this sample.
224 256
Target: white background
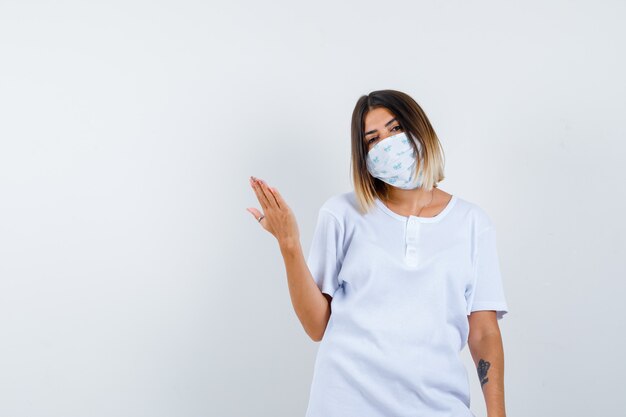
133 282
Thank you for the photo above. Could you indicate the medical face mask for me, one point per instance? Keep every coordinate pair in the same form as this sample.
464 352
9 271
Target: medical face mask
393 161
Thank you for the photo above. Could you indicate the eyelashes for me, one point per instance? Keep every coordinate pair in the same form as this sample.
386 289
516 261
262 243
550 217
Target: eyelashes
392 129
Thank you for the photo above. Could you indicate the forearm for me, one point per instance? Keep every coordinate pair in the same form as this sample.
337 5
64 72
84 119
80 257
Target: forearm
488 356
310 305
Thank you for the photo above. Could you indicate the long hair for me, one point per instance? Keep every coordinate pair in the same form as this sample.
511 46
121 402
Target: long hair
414 122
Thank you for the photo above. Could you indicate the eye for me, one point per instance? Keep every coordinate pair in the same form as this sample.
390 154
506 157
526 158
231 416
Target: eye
393 129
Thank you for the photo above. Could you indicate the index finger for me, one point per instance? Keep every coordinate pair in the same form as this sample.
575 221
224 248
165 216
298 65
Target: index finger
279 198
266 191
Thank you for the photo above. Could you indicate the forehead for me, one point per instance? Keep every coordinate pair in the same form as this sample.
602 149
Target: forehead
376 118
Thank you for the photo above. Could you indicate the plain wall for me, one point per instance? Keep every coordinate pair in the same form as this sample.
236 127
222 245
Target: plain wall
133 282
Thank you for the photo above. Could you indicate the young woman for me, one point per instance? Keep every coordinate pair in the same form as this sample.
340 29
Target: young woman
411 272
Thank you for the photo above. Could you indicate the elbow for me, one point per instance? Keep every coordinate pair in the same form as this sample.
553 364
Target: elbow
477 343
316 335
315 338
317 326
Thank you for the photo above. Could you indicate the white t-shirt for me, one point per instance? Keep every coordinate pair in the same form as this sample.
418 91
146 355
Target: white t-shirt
402 289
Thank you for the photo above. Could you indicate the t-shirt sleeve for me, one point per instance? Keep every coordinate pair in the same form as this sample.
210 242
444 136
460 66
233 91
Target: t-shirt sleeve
486 291
325 253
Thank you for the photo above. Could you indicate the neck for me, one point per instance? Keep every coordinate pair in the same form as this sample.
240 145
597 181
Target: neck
410 199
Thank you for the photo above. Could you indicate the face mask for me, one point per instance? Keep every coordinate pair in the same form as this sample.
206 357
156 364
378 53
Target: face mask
392 160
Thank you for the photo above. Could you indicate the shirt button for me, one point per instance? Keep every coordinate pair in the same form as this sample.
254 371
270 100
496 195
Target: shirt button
412 231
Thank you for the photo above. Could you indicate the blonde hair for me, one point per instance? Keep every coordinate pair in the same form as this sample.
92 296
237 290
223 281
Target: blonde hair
414 122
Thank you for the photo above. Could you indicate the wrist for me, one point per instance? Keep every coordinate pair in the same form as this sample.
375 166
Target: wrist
289 244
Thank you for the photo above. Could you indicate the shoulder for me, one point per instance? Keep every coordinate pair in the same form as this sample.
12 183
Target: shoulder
475 214
342 206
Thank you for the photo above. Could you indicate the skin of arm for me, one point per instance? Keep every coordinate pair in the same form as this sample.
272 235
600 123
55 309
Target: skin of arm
311 305
485 344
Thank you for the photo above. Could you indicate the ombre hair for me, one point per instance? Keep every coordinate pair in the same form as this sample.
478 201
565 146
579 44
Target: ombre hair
414 122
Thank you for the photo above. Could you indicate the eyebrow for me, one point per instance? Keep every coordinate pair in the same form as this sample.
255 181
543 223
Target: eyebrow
386 124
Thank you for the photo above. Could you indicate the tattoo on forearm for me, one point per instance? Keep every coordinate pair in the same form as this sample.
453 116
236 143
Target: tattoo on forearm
483 367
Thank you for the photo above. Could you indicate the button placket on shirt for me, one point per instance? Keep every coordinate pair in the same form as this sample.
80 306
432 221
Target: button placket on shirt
412 237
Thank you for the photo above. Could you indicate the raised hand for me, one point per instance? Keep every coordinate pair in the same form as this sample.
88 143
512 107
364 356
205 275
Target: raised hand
277 218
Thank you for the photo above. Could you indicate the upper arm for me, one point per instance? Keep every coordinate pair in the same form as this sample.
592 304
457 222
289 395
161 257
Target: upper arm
482 323
326 253
486 291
